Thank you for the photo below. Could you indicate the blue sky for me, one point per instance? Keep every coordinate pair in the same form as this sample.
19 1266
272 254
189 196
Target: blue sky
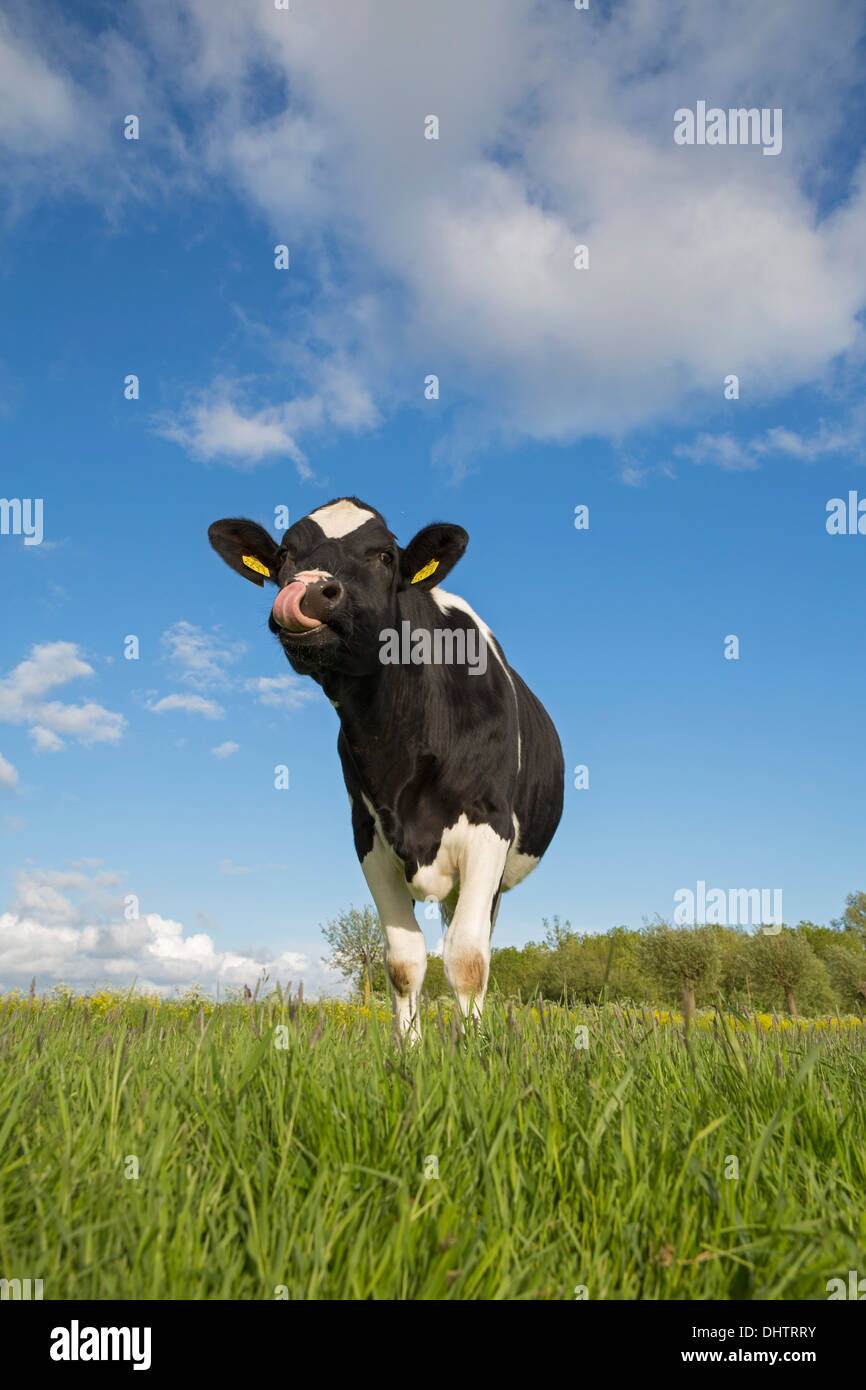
558 387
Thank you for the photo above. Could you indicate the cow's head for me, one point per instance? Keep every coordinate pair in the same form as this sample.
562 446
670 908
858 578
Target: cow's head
338 572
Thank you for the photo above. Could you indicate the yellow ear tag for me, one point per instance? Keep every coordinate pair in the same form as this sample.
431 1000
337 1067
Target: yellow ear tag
253 564
425 572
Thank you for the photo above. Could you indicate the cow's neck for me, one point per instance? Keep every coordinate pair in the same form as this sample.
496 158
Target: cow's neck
393 712
383 709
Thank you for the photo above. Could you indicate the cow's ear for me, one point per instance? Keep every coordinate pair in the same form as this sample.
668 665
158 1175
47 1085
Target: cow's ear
247 547
434 551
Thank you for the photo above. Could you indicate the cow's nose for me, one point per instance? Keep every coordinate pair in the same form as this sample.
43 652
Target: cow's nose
321 599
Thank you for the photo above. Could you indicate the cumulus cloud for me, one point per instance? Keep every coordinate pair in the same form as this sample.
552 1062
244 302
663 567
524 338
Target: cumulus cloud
217 430
455 256
49 665
220 428
723 450
43 895
280 692
65 89
459 252
8 773
203 660
202 657
40 108
49 935
727 452
225 750
189 704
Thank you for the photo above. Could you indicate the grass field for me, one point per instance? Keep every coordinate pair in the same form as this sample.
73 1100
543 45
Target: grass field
297 1146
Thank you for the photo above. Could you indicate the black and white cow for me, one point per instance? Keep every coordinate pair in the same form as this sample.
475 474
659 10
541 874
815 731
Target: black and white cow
453 767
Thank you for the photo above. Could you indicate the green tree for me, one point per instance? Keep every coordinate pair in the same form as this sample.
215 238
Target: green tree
823 939
853 919
355 941
558 935
435 981
733 982
561 968
614 961
847 971
516 972
784 963
682 961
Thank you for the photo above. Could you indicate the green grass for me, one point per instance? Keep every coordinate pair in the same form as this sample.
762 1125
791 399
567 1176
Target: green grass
304 1165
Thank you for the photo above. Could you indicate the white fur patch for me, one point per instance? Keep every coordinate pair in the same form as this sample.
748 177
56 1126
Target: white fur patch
460 843
517 864
443 601
340 518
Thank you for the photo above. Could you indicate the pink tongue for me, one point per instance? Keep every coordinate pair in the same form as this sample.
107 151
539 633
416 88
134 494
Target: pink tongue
287 608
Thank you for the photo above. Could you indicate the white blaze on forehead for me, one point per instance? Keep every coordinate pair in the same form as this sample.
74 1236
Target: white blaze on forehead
339 518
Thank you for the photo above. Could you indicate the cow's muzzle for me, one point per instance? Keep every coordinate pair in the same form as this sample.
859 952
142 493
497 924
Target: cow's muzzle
308 602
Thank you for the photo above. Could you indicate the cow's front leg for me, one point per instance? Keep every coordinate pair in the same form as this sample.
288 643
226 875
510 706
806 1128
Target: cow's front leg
466 956
405 947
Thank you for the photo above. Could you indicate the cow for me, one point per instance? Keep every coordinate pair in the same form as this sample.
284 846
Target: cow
453 767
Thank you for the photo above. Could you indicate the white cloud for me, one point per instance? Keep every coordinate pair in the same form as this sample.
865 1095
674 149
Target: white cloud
225 750
720 449
43 894
65 90
39 109
634 473
280 692
458 253
45 740
49 665
219 428
48 935
455 256
8 773
201 656
810 448
724 451
190 704
153 951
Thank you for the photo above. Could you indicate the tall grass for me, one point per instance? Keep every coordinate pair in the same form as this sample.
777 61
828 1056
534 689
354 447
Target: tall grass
293 1145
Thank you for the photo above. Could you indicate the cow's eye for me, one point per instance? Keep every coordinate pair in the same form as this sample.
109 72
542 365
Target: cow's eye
386 557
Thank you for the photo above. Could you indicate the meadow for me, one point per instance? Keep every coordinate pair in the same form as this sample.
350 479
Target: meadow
154 1149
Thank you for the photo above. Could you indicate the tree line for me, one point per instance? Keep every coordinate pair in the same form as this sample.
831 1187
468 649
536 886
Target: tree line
804 969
